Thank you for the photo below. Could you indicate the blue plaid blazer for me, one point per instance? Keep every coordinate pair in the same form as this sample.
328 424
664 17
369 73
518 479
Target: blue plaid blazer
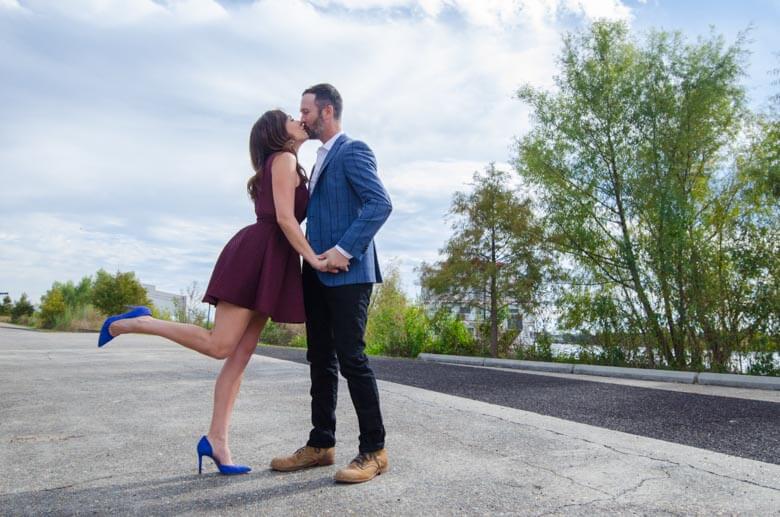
347 207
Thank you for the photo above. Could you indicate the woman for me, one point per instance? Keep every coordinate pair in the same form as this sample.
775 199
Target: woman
257 276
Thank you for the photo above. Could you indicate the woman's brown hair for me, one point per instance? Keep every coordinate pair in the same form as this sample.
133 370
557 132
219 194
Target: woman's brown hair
269 135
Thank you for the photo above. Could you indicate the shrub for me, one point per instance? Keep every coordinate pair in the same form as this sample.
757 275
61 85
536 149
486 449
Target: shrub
282 334
299 341
764 364
81 318
52 307
68 306
6 306
111 294
76 295
22 310
161 314
541 350
417 330
385 330
450 336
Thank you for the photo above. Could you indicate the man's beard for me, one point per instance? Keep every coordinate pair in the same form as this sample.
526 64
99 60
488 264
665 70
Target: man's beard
315 130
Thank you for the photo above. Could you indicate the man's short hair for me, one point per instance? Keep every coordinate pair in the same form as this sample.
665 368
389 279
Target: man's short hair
325 94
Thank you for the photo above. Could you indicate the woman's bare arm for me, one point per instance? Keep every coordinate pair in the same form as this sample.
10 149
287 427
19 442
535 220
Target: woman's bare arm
284 181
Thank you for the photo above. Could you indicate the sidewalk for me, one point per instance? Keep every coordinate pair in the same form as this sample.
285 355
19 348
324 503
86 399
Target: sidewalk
114 431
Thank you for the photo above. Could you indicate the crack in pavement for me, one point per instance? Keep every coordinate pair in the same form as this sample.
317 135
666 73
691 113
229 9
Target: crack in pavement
585 440
558 474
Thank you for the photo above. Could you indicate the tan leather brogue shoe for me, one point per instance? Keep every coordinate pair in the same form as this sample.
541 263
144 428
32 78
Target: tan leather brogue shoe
304 458
365 467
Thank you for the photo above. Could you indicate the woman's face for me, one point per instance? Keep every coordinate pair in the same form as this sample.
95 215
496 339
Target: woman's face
295 129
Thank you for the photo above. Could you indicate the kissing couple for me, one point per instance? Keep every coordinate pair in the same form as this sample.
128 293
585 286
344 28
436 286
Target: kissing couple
259 276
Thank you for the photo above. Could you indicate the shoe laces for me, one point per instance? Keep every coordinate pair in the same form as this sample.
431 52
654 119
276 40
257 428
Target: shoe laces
361 459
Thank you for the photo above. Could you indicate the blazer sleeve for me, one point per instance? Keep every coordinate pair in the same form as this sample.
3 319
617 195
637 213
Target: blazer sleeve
361 173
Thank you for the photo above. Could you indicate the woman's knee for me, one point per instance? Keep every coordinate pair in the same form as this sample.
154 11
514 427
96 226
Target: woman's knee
222 348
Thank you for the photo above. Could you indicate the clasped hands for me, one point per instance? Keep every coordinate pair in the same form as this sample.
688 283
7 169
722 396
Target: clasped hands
331 262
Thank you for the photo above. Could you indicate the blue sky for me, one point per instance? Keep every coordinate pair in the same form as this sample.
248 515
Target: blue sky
124 128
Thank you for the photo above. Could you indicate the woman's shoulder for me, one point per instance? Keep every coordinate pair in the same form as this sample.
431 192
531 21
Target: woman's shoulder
278 159
282 160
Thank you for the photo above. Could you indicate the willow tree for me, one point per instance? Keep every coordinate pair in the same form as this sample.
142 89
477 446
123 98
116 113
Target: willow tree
495 258
629 154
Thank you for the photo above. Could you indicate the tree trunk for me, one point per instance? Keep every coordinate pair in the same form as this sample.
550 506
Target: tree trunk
493 297
628 254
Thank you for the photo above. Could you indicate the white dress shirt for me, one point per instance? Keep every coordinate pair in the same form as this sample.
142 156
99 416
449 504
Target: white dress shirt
322 153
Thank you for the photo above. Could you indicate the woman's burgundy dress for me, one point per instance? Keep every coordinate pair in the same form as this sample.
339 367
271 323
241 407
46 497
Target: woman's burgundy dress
259 269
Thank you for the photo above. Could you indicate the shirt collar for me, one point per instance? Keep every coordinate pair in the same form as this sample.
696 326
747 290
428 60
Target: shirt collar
327 145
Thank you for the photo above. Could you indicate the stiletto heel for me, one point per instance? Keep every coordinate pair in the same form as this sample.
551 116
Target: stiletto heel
134 312
204 449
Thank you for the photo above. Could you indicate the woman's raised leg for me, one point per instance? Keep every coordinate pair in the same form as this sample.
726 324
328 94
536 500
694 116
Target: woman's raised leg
230 323
227 386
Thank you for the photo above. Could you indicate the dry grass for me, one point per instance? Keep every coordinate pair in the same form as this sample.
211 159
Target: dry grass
80 319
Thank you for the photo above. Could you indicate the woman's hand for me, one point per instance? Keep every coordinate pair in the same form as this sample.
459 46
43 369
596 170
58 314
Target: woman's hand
320 264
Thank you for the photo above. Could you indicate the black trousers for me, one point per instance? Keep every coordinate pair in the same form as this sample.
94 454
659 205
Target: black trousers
335 325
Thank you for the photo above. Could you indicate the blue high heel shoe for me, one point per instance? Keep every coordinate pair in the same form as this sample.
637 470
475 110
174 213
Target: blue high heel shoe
105 335
204 449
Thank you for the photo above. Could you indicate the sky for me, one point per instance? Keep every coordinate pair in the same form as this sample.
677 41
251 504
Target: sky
124 125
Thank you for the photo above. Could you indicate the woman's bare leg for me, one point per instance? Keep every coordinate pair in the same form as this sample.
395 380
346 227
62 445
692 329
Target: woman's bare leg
227 385
230 322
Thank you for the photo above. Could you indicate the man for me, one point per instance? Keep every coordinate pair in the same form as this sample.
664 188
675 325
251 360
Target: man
347 206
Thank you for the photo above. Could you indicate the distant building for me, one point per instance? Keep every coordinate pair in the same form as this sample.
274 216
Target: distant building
471 317
164 301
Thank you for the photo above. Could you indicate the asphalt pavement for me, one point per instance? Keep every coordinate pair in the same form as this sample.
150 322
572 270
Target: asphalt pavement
745 428
113 432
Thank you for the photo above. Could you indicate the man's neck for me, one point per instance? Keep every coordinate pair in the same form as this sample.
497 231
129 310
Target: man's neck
328 134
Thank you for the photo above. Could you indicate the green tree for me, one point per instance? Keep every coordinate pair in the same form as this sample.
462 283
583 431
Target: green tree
52 307
496 256
6 306
111 294
385 329
630 157
21 309
76 294
67 304
395 326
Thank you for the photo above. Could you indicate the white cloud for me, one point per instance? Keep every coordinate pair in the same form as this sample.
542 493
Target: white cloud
123 142
595 9
12 5
197 11
496 14
103 12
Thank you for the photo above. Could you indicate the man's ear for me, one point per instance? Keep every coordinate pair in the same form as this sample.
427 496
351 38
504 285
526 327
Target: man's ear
328 109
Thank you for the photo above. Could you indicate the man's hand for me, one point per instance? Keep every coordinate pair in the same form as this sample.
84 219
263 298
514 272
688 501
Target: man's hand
336 261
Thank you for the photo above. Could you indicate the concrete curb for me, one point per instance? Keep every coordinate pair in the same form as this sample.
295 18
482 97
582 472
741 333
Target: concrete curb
714 379
740 381
636 373
538 366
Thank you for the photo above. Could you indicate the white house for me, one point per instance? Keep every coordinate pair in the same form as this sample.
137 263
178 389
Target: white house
164 301
471 317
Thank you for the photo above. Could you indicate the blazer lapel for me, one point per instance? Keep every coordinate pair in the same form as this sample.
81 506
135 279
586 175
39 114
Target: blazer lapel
333 152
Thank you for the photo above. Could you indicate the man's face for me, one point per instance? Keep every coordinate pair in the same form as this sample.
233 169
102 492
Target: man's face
311 117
